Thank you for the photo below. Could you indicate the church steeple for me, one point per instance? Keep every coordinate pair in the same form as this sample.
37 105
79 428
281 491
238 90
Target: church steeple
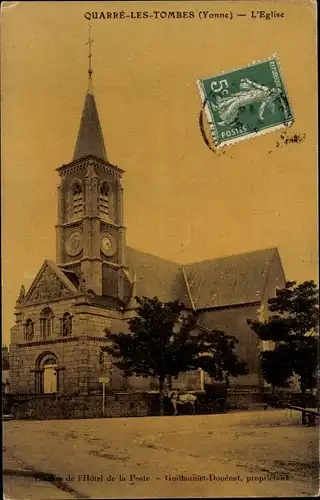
90 137
90 231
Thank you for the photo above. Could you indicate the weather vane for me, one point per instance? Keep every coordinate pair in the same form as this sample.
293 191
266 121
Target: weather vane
89 43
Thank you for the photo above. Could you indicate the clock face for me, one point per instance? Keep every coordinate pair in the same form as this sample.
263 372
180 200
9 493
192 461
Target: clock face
108 245
74 243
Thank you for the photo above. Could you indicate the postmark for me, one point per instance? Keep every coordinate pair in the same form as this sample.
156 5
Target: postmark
246 102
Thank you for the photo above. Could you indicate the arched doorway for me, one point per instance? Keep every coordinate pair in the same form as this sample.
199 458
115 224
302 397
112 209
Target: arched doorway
47 374
50 376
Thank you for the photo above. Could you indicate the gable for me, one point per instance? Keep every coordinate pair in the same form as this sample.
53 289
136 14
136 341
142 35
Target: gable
275 278
49 284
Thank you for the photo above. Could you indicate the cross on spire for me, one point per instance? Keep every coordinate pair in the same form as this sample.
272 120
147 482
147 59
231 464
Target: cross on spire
90 137
89 43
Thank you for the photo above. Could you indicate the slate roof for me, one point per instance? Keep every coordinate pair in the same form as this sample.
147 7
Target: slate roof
90 137
225 281
155 276
232 280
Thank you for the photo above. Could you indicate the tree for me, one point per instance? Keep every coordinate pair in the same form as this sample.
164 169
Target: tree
294 332
218 357
159 343
306 358
276 366
164 341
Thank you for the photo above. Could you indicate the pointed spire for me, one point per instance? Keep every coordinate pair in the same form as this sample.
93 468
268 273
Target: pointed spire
90 137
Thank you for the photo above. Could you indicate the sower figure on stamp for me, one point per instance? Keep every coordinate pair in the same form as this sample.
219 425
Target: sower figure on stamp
251 93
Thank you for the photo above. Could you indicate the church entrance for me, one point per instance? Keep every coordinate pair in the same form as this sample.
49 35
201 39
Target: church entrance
47 374
50 376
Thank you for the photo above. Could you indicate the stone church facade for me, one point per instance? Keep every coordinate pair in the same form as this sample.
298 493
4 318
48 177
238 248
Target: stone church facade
62 319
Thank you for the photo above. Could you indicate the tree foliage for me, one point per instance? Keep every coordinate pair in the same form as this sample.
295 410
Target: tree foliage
219 358
276 366
159 342
154 345
164 340
294 331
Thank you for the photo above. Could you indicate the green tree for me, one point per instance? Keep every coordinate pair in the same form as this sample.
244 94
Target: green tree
218 357
164 341
276 366
294 332
159 343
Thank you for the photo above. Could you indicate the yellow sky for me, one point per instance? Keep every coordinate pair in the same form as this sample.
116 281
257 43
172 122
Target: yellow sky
145 71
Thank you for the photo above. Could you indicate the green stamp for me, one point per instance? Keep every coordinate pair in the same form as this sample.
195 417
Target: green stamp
245 102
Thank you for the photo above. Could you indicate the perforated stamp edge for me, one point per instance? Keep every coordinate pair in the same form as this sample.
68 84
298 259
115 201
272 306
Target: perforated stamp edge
220 144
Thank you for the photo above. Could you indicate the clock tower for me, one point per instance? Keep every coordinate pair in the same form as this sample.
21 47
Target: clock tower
90 233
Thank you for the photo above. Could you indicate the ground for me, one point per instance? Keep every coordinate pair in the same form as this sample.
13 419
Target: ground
240 454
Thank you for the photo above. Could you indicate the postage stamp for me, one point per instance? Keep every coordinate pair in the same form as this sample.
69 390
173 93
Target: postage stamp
245 102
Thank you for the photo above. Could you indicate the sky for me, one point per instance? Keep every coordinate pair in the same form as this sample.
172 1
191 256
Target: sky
176 190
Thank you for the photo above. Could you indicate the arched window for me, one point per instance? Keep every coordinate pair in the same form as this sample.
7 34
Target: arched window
46 323
104 200
28 330
77 199
66 325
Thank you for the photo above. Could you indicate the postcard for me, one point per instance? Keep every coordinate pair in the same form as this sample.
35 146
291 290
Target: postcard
159 249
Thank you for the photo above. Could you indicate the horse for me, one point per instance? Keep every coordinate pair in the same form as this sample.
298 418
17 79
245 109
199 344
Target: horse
181 399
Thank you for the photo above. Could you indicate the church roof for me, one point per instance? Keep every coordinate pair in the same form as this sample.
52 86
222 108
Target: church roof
232 280
90 137
226 281
155 276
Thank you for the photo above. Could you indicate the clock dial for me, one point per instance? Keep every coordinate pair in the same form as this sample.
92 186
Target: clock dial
108 246
74 243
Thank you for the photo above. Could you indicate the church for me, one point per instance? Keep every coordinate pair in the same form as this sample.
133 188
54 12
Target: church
61 321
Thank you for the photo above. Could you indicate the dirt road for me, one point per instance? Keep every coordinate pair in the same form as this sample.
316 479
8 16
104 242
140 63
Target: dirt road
237 455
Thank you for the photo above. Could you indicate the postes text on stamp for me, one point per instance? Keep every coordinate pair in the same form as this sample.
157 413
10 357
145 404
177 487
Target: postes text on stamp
245 102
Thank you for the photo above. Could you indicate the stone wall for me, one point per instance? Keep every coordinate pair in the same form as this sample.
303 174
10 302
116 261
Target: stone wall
122 404
87 319
51 407
78 355
129 404
23 359
243 399
78 363
33 312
